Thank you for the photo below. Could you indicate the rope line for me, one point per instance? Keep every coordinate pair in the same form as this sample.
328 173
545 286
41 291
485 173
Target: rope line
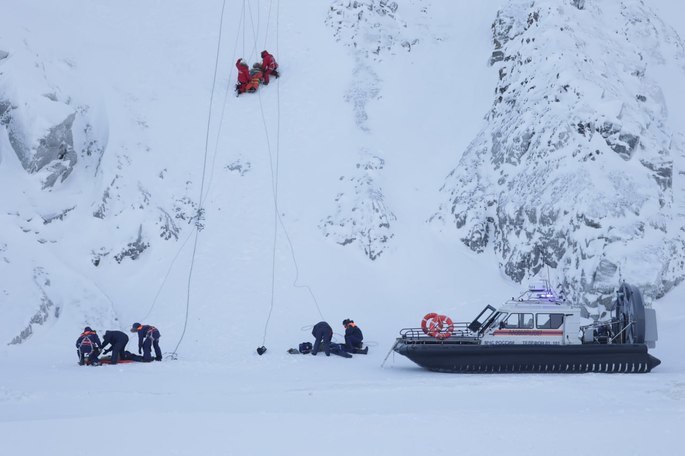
274 185
223 109
202 184
255 31
168 272
274 192
268 22
278 151
211 176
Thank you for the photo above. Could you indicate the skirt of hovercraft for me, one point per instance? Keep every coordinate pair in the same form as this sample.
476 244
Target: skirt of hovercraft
460 358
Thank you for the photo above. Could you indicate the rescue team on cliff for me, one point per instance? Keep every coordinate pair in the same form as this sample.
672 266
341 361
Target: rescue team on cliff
89 347
250 79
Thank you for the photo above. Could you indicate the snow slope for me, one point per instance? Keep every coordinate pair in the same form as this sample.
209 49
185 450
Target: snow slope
152 64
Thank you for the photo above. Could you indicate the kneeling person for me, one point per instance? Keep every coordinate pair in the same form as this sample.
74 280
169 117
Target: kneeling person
88 347
353 338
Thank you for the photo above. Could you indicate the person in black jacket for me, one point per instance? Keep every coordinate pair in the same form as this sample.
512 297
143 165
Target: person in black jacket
118 341
323 333
148 337
353 338
88 347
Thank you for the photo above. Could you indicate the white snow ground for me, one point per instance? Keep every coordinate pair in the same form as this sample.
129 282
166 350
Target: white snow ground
153 62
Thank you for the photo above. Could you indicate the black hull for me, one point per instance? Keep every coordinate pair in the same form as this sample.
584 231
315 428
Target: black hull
475 358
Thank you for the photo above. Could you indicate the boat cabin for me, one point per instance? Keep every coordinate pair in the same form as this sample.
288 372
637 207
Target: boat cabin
537 317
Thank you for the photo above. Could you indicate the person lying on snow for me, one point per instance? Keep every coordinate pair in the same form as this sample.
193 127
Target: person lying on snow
256 75
88 347
243 76
148 337
269 67
323 333
118 341
353 338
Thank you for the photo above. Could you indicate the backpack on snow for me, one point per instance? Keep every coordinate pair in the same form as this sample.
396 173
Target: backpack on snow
305 347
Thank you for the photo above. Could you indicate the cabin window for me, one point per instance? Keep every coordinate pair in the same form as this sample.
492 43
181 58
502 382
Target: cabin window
549 321
519 321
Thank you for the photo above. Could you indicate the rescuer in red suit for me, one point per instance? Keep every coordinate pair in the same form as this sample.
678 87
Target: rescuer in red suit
243 76
269 67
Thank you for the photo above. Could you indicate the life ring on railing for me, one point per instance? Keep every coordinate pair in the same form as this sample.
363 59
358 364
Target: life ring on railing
438 326
425 325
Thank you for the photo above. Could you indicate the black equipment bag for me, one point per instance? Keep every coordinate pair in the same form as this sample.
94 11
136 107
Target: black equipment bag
305 347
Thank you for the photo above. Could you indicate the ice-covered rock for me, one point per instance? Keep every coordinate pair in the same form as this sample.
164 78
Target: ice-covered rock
574 169
361 217
50 125
370 29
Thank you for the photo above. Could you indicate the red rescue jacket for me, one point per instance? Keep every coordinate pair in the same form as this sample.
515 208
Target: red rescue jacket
243 72
268 62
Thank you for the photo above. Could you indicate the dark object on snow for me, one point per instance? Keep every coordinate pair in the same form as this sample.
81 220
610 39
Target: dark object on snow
118 341
338 349
538 332
353 338
261 350
88 347
323 333
305 348
126 357
293 351
148 337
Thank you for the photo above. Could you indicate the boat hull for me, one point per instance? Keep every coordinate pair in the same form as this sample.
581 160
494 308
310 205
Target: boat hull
475 358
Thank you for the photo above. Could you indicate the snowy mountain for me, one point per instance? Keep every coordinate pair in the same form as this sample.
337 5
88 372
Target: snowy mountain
575 168
414 156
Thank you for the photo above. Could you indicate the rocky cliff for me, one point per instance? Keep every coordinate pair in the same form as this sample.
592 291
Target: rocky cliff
575 168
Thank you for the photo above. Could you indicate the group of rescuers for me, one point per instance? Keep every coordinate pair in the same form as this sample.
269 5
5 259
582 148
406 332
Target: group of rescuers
250 79
323 334
89 346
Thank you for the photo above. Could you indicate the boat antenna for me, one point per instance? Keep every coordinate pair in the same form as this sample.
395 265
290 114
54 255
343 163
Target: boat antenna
549 282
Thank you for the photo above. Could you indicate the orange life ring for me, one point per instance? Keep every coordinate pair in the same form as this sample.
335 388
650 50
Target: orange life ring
446 328
425 322
438 326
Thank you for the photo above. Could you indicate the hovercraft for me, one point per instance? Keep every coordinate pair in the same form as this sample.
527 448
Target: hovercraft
537 332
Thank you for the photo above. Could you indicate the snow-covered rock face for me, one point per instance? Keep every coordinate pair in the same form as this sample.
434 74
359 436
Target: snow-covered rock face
370 29
574 170
50 127
361 215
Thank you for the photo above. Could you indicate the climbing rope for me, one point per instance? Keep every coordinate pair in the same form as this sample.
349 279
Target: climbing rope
274 186
166 277
268 22
213 167
255 31
241 23
202 184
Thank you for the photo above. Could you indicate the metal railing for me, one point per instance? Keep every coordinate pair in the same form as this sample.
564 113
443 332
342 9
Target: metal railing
460 333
